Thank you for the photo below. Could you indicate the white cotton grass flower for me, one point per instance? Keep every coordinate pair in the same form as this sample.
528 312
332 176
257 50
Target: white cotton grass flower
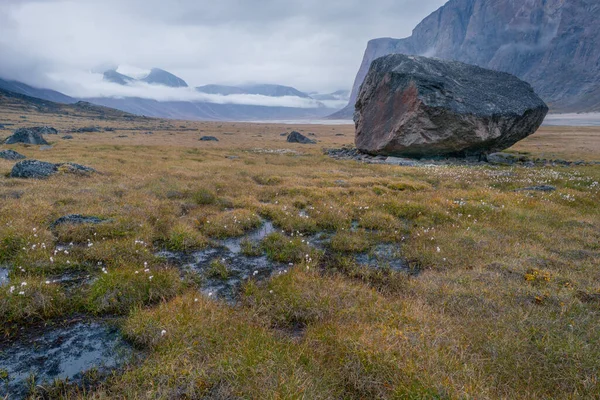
163 332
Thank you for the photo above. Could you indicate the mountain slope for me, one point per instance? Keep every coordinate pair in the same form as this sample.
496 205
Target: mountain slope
159 76
17 102
552 44
44 94
115 77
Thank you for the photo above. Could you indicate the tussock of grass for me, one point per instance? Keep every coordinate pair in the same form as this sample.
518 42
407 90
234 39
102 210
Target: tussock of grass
121 290
284 249
229 224
31 300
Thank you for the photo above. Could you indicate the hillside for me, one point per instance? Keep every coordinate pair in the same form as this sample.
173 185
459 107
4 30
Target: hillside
552 44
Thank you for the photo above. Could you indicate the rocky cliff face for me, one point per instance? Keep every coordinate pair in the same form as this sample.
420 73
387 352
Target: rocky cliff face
552 44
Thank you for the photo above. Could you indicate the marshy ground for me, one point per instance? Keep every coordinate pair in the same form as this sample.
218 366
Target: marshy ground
255 268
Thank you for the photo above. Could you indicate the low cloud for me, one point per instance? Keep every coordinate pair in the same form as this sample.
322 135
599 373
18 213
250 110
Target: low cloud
312 45
91 85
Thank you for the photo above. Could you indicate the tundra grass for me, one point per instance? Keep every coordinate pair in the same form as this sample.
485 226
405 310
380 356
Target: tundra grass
502 299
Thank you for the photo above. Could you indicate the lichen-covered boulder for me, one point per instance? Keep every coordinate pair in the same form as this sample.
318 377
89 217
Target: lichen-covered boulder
27 136
34 169
423 107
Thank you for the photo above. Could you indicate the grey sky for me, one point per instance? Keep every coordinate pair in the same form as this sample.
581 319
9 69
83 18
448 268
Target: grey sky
313 45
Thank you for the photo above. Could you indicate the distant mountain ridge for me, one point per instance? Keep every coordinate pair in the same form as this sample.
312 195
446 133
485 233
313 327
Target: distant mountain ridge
552 44
259 89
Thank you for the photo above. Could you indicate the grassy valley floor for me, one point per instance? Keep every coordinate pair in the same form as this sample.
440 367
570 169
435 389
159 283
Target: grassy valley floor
499 296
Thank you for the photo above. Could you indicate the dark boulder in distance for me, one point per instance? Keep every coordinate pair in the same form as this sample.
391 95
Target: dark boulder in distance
418 107
27 136
297 137
209 139
11 155
34 169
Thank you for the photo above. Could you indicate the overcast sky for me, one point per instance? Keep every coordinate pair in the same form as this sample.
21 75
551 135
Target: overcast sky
313 45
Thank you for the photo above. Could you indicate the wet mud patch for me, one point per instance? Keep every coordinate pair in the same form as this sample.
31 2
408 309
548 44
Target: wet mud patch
383 256
61 352
3 276
224 267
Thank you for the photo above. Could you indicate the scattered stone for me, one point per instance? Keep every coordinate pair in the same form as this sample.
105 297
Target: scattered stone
232 157
11 155
76 219
149 133
43 148
505 158
284 134
297 137
339 134
424 107
27 136
67 137
540 188
109 129
311 134
34 169
405 162
209 139
90 129
46 130
122 136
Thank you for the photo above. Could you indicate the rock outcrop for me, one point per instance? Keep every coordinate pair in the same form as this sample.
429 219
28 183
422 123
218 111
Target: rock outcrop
11 155
297 137
422 107
34 169
27 136
552 44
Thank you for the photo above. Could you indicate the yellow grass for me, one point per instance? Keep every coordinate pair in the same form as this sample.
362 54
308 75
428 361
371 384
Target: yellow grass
503 302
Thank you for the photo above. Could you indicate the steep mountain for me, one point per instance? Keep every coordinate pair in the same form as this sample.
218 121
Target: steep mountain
45 94
552 44
115 77
159 76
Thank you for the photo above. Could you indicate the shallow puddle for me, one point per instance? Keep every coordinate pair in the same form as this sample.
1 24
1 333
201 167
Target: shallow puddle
383 256
236 268
3 276
60 353
235 244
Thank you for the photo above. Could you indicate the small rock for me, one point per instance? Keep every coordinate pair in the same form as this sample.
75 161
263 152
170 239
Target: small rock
149 133
297 137
232 157
45 148
76 219
27 136
67 137
284 134
11 155
90 129
46 130
504 158
405 162
312 134
540 188
209 139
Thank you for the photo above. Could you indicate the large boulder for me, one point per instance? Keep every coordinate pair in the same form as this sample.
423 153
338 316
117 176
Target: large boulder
423 107
26 135
297 137
34 169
